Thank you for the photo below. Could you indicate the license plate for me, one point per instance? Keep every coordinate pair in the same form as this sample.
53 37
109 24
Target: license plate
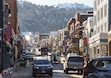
75 67
43 71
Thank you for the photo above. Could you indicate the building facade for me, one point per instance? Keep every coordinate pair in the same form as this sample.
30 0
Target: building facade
99 42
76 30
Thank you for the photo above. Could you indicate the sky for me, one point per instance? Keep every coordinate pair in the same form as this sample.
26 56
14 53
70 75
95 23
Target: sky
55 2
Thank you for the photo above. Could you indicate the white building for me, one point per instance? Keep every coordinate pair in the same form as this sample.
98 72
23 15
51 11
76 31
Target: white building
101 16
98 44
87 33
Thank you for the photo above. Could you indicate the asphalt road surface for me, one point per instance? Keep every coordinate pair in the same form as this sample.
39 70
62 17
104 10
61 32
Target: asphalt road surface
26 72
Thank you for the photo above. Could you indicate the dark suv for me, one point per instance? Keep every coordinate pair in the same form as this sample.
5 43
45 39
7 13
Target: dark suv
41 65
74 63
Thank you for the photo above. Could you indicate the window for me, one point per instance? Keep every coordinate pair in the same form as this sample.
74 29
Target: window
98 30
75 59
102 28
41 62
105 9
101 12
95 20
101 0
91 23
95 5
98 2
105 27
98 15
102 64
104 47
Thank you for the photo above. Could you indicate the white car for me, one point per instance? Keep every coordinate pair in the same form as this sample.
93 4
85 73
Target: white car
29 55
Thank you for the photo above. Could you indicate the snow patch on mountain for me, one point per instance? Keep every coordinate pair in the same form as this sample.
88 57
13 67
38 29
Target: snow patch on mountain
72 5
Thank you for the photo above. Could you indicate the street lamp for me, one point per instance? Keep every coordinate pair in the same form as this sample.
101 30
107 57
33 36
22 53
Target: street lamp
4 14
1 33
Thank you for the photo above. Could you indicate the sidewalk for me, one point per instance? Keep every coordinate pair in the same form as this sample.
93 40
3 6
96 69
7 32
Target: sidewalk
21 71
0 75
7 73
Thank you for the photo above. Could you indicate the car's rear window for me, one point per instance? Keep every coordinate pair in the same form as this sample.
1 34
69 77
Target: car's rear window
75 59
41 62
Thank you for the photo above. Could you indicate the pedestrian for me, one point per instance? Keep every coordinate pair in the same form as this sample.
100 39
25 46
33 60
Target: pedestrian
55 60
87 58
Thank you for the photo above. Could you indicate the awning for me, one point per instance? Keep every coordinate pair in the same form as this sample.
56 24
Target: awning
74 48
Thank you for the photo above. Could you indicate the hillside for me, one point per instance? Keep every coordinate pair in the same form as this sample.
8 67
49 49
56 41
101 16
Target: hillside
38 18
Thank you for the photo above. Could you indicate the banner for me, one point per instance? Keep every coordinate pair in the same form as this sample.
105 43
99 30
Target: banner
7 32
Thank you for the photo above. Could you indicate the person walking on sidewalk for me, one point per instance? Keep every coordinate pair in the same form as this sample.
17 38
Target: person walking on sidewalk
55 60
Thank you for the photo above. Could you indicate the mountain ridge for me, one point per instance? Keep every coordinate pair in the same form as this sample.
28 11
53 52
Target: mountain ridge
72 5
43 18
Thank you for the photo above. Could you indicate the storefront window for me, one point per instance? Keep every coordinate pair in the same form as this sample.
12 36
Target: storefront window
104 48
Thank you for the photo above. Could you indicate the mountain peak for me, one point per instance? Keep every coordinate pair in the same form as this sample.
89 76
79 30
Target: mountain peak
72 5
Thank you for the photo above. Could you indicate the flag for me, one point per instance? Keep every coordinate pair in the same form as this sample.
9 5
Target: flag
7 32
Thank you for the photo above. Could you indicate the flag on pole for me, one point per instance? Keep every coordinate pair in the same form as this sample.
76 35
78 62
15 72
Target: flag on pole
7 33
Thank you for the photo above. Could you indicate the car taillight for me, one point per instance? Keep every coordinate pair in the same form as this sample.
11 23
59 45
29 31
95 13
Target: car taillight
67 63
85 68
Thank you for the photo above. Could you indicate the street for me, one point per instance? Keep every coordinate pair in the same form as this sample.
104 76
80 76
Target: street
26 72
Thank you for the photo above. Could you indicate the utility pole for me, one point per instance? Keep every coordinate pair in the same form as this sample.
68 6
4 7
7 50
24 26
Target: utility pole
1 34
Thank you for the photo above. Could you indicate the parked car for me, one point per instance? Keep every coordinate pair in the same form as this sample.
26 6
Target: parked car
58 56
98 68
23 54
41 65
22 61
73 62
29 56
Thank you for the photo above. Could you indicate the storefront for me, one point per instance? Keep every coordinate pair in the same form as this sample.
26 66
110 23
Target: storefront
98 45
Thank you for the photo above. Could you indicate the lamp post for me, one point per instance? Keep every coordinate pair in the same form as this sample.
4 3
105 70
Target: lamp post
1 34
